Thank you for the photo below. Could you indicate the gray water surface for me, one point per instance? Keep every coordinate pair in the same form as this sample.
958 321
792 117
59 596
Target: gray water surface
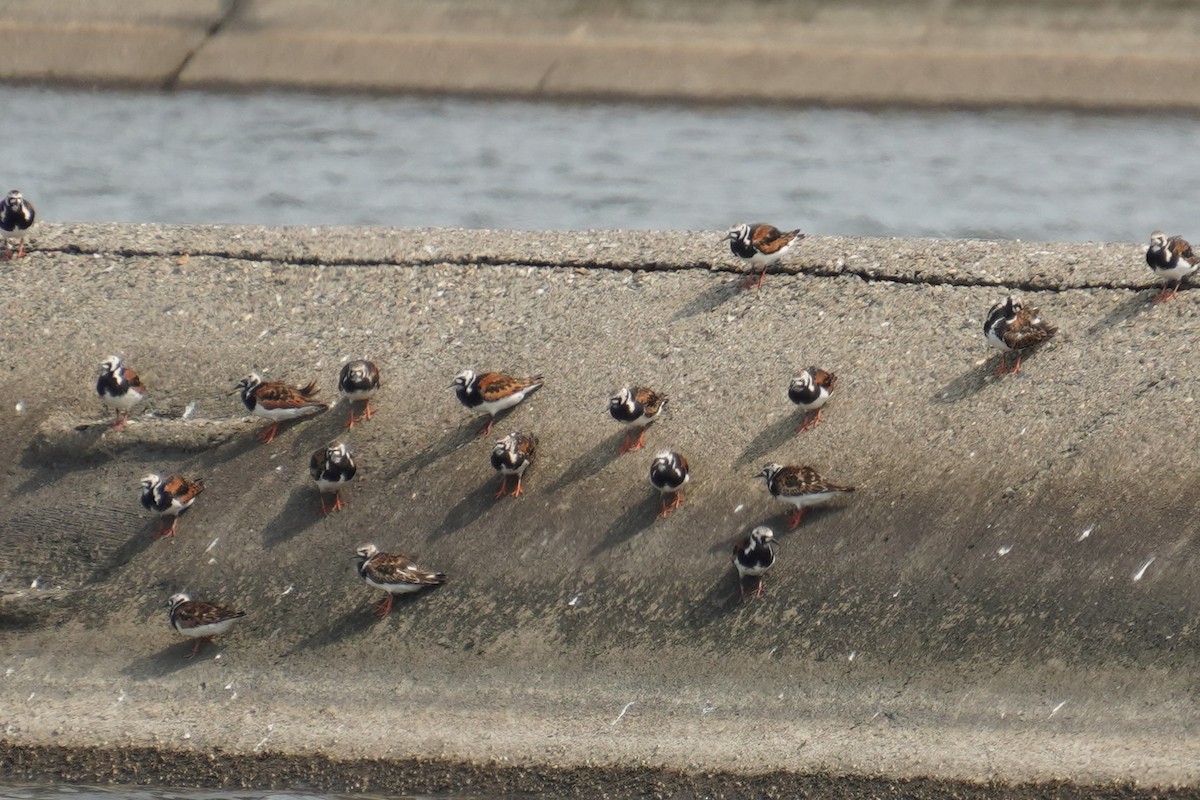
297 159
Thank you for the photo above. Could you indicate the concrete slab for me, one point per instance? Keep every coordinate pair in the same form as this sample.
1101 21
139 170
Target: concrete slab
135 43
864 53
1008 596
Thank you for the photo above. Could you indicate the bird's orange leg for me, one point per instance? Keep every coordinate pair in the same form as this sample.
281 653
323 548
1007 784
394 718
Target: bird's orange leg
795 518
385 607
268 436
486 429
196 646
518 491
503 487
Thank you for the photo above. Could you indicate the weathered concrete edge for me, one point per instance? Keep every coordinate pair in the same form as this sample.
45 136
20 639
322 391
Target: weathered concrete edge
318 772
1050 267
916 56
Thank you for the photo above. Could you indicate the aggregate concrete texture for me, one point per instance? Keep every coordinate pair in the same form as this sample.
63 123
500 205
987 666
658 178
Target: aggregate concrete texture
1088 54
1008 596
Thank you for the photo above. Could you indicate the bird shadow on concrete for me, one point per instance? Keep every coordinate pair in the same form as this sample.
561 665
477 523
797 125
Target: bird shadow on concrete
141 540
770 437
50 464
301 512
169 660
470 508
974 380
354 622
1127 311
452 441
709 300
632 521
719 601
968 383
593 461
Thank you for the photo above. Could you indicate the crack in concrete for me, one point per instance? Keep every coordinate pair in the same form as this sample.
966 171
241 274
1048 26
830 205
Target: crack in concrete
822 270
232 9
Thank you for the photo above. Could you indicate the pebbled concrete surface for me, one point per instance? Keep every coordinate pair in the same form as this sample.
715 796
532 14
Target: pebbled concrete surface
1008 598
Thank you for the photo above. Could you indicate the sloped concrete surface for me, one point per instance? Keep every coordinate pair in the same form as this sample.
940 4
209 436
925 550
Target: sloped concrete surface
1008 596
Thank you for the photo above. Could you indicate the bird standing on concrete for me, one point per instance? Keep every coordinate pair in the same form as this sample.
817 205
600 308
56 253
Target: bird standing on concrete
753 556
810 390
801 486
277 401
199 620
394 573
1171 259
16 218
169 498
332 467
119 387
761 246
636 407
513 455
1011 328
358 382
668 473
492 392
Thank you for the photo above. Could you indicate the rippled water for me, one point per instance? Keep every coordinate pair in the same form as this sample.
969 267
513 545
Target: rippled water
284 158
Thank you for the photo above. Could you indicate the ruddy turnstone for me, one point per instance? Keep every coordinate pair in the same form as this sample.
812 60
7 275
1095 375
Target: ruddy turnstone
762 246
636 407
668 474
512 455
800 486
753 556
16 218
119 387
359 381
1171 259
492 392
169 498
1011 327
201 621
331 467
394 573
277 401
810 390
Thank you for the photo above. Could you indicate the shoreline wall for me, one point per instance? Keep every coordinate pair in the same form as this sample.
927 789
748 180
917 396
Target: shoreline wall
1009 596
1089 55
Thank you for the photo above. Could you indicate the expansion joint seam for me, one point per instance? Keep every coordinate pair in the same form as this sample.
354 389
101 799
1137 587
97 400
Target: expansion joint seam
811 270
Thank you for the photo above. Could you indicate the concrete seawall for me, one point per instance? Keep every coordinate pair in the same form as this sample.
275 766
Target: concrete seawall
1089 55
1009 597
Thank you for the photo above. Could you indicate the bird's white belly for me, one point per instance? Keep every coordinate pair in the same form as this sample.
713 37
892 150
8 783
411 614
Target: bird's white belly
808 500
